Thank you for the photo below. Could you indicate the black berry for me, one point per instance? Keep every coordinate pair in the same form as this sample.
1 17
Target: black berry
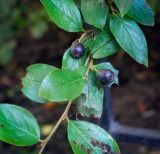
105 76
77 50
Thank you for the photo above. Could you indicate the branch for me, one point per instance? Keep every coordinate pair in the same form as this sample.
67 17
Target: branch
65 113
63 117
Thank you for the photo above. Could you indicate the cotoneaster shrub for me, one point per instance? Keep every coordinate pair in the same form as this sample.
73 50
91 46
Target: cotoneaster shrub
106 26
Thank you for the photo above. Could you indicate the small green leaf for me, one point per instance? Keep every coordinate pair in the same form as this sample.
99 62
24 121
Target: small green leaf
142 12
33 79
64 13
108 66
123 6
90 103
86 137
82 70
18 126
130 37
103 45
62 85
94 12
69 62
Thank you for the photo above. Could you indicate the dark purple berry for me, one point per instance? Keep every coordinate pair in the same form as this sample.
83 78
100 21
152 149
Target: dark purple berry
105 76
77 50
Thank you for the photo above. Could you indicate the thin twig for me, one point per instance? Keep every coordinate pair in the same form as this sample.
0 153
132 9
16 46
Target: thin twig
85 35
82 36
88 69
87 61
63 117
94 68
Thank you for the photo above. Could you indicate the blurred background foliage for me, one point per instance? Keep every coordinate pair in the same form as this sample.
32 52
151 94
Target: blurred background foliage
155 5
16 17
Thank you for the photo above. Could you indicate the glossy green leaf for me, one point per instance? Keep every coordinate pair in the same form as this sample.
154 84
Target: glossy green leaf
33 79
64 13
123 6
82 70
90 103
142 12
62 85
103 45
130 37
108 66
86 138
69 62
94 12
18 126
